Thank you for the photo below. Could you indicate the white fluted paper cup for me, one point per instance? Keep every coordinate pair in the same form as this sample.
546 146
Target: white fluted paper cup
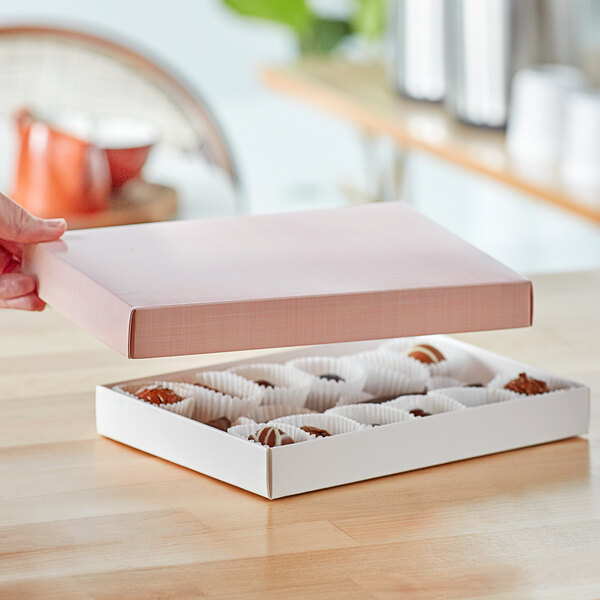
244 421
333 424
268 412
392 360
229 384
456 360
324 393
245 431
185 407
554 384
371 414
384 382
442 381
475 396
391 374
291 386
355 398
210 405
432 403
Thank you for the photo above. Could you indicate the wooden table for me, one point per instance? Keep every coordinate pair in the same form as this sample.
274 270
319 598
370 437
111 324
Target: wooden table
360 94
84 517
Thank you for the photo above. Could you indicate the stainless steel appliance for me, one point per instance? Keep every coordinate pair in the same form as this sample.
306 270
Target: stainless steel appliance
416 48
486 42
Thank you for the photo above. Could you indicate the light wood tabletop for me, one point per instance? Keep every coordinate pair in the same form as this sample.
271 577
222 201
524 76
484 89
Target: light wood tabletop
87 518
360 94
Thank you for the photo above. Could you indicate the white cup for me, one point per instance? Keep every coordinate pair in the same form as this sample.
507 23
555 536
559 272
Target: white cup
535 124
581 149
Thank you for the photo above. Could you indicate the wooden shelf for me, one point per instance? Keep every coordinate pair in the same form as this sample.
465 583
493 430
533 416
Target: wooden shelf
360 94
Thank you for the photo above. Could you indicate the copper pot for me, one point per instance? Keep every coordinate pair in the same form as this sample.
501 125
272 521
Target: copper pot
58 174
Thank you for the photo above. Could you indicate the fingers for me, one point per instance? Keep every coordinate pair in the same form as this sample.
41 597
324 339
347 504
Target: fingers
9 261
15 285
6 258
17 225
17 290
12 247
28 302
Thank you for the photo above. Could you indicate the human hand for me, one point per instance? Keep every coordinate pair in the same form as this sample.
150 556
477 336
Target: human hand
18 228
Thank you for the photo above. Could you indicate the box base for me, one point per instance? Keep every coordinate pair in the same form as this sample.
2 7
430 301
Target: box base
350 457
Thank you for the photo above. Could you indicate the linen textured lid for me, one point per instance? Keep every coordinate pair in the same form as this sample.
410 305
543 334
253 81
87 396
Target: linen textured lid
191 287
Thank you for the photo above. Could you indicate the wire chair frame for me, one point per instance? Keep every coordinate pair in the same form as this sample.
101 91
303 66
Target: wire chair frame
58 69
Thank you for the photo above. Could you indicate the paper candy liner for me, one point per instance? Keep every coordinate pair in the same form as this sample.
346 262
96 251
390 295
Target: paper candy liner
383 382
441 381
334 424
244 431
554 383
432 403
369 414
230 384
355 398
475 396
268 412
185 407
325 393
291 385
244 421
200 404
393 361
210 405
391 374
456 359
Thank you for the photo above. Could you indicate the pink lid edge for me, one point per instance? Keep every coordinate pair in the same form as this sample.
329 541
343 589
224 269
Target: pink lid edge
269 281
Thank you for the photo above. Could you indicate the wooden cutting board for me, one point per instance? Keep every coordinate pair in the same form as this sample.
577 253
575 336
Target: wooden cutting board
136 202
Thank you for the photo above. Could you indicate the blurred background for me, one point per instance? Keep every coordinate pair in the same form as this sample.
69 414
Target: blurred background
483 114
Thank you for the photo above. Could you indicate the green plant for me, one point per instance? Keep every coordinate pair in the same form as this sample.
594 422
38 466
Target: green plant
315 33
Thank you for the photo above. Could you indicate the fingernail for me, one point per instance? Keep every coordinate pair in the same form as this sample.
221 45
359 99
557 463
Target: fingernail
55 223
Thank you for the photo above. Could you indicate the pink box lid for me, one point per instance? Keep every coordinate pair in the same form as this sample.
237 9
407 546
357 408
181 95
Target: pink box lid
192 287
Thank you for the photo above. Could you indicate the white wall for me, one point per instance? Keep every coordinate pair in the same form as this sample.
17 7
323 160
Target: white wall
292 155
211 47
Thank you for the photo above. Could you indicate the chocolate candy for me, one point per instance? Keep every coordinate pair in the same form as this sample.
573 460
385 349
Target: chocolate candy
264 383
271 436
419 412
315 431
158 395
331 377
426 354
527 385
222 423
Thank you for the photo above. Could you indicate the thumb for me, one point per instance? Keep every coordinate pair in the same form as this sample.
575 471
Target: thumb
18 225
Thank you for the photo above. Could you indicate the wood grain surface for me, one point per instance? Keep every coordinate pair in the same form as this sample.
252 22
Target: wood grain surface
360 94
137 201
87 518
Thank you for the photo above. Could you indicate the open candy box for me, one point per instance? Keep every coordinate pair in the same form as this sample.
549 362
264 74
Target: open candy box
366 439
318 416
